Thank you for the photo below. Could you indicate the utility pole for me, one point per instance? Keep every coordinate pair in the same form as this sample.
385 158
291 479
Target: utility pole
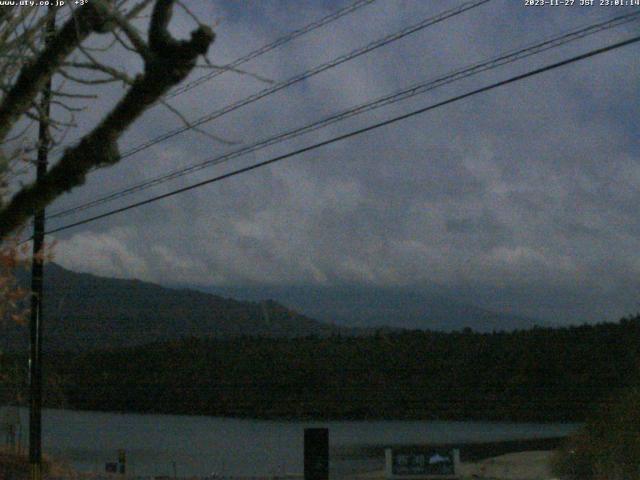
35 324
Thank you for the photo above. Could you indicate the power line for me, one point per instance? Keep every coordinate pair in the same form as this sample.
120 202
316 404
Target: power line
309 73
262 50
416 89
360 131
271 46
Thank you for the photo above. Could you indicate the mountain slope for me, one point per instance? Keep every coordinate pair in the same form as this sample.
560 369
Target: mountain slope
86 311
393 307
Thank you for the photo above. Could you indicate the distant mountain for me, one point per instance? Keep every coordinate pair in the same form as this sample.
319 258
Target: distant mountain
358 307
84 311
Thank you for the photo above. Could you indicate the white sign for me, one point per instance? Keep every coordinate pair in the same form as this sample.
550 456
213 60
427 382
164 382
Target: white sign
422 463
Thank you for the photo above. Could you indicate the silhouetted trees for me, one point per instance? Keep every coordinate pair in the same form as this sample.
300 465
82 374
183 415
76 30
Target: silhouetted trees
543 374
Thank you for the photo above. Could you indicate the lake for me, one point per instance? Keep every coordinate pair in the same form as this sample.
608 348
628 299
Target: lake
201 446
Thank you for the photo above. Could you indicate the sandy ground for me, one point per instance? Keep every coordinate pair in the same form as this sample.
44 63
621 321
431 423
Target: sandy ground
513 466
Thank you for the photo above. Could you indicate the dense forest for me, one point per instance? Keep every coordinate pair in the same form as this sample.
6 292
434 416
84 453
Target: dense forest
543 374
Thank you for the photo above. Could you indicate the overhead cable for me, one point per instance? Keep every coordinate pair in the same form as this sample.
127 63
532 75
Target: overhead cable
354 133
308 74
271 46
262 50
408 92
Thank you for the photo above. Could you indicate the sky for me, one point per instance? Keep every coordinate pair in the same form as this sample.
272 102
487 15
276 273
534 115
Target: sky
522 199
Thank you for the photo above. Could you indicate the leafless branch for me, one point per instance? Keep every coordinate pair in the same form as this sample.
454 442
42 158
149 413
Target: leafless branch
95 64
67 107
168 62
189 12
132 34
31 80
106 48
85 81
123 42
59 93
19 134
137 9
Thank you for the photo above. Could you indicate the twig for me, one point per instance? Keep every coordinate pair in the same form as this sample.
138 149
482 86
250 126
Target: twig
194 128
169 63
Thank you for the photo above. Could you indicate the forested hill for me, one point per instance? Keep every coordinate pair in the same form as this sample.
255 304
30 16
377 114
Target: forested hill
422 308
85 311
540 374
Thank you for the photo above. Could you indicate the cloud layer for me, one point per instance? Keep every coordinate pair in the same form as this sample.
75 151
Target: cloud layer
522 199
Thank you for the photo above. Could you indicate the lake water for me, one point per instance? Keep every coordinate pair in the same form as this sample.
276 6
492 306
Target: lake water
224 446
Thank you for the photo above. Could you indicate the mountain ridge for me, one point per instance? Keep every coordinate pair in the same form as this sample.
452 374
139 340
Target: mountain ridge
379 307
86 311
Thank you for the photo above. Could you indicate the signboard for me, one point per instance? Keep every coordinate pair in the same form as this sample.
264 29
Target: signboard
422 463
316 454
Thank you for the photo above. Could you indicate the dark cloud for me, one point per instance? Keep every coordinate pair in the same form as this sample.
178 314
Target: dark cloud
522 199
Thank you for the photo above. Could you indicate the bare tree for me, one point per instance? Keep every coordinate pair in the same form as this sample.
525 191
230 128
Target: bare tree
26 66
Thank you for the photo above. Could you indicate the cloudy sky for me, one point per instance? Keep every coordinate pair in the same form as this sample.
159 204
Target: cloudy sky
523 199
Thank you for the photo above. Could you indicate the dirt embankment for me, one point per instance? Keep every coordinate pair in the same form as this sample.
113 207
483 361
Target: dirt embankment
15 466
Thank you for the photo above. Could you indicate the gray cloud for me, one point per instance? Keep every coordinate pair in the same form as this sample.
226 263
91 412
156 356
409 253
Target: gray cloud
522 199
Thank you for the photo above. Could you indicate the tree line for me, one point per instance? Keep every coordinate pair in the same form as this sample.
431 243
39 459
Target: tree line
543 374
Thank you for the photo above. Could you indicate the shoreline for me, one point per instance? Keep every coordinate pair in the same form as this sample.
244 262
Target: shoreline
530 464
525 459
303 418
469 451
